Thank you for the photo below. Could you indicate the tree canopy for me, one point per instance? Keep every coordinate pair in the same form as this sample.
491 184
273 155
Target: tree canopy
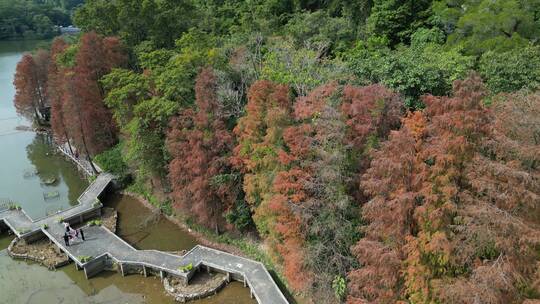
376 151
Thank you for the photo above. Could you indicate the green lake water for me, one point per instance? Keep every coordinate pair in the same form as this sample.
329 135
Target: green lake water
27 161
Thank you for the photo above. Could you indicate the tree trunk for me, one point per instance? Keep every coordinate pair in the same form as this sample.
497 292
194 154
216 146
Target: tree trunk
69 144
88 157
92 164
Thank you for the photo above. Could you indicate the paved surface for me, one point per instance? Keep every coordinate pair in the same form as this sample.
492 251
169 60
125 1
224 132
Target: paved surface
100 241
81 162
21 224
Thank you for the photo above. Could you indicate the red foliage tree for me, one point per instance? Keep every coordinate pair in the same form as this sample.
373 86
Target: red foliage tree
199 144
55 92
31 86
447 214
371 111
86 117
259 134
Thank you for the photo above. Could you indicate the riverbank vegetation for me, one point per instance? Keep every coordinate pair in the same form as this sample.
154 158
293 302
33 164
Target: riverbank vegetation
379 151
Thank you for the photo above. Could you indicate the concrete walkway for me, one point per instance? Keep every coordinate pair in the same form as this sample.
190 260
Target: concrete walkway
82 163
103 247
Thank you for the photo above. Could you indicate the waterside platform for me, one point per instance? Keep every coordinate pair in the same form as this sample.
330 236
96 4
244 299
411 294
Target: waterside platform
103 248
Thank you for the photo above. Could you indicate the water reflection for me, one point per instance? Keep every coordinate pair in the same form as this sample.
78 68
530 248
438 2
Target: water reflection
52 170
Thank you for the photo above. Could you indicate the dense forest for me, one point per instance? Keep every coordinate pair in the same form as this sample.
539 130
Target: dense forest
34 19
375 151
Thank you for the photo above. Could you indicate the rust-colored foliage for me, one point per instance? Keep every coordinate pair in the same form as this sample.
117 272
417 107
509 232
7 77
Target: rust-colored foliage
371 110
259 133
309 198
199 144
31 86
54 89
96 130
449 214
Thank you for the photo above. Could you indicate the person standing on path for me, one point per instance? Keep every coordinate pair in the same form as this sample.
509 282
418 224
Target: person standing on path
66 239
82 234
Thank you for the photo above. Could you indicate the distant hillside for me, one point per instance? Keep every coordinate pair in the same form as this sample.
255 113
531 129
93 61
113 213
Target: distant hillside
34 19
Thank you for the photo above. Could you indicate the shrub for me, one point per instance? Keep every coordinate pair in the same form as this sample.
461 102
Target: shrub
166 207
96 203
340 287
94 223
186 268
113 162
84 258
14 206
240 215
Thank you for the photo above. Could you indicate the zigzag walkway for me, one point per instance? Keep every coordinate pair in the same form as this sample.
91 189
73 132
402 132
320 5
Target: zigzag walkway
102 246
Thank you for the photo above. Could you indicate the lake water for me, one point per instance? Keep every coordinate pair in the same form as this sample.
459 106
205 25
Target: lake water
27 162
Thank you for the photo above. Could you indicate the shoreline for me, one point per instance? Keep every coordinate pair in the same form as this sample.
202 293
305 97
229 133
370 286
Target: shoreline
200 237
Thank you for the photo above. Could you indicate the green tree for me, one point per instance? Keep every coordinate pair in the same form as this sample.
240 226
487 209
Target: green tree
512 70
425 67
320 29
302 68
142 118
160 21
397 20
98 15
481 26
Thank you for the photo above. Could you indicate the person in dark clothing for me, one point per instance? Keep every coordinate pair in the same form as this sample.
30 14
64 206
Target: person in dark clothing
66 239
82 233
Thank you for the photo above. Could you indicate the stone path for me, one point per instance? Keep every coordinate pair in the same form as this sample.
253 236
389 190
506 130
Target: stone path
102 244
